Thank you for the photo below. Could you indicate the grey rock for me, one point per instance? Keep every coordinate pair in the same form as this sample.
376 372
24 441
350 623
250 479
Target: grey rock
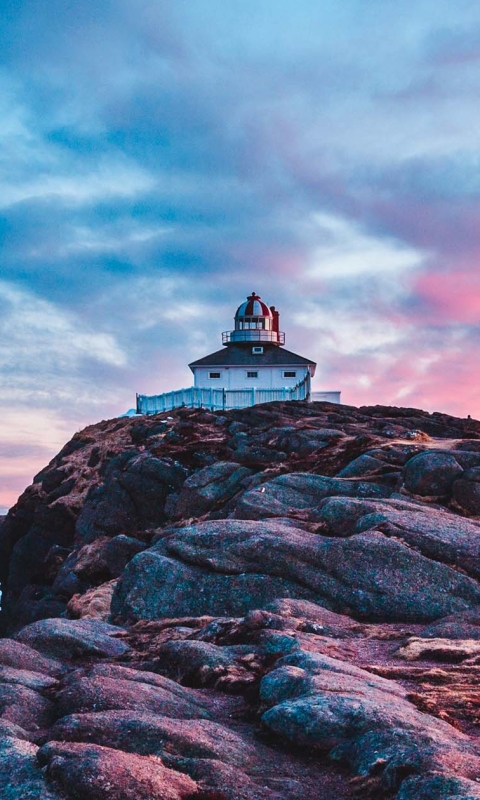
231 783
323 707
466 491
20 775
119 551
210 488
302 442
22 657
24 707
435 532
99 693
311 614
82 770
431 473
228 567
455 626
147 733
297 492
29 678
9 729
153 586
132 497
68 638
321 703
438 787
361 466
186 696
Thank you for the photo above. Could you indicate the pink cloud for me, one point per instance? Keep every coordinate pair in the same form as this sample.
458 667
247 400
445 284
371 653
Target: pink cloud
450 297
419 374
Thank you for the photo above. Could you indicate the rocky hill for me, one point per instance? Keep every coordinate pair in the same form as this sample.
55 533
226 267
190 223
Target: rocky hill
279 602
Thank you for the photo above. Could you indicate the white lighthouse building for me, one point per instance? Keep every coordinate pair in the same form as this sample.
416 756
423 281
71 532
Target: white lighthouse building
253 356
253 366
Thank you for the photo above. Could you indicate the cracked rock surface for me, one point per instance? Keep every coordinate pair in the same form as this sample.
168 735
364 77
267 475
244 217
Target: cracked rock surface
279 602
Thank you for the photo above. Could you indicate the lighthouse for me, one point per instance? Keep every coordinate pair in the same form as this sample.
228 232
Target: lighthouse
253 354
253 366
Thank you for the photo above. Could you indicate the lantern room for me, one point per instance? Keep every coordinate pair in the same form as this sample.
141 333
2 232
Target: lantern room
255 322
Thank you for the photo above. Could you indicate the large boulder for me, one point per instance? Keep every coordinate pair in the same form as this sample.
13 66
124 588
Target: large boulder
209 488
231 783
20 773
198 663
300 493
366 465
466 491
298 442
154 586
456 626
321 703
132 497
147 733
230 566
435 532
119 551
25 707
434 787
100 693
25 677
101 773
431 473
65 638
21 656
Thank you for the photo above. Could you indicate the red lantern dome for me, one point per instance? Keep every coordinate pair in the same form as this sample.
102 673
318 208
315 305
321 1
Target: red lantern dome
253 307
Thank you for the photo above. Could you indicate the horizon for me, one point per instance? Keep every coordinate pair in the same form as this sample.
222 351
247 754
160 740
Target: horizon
162 161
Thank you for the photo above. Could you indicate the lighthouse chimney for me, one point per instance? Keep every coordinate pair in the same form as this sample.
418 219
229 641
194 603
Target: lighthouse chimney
276 319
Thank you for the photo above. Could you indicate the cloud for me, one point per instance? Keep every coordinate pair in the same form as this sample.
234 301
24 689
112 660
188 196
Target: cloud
453 297
34 331
114 179
347 251
161 160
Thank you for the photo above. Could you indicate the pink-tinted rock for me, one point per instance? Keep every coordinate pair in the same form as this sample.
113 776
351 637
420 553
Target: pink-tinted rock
102 694
148 733
24 707
21 656
290 494
29 678
100 773
65 638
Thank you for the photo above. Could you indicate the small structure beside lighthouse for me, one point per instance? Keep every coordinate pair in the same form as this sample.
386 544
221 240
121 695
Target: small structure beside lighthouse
253 366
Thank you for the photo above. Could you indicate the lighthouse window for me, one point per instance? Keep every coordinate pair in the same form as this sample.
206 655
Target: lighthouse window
289 374
213 374
252 323
252 374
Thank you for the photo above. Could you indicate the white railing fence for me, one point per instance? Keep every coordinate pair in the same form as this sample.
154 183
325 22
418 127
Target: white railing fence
219 399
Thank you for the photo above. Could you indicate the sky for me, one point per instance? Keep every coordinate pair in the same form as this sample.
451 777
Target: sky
161 159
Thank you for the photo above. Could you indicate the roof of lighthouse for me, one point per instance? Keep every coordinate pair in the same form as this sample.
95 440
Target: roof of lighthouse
240 355
253 307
